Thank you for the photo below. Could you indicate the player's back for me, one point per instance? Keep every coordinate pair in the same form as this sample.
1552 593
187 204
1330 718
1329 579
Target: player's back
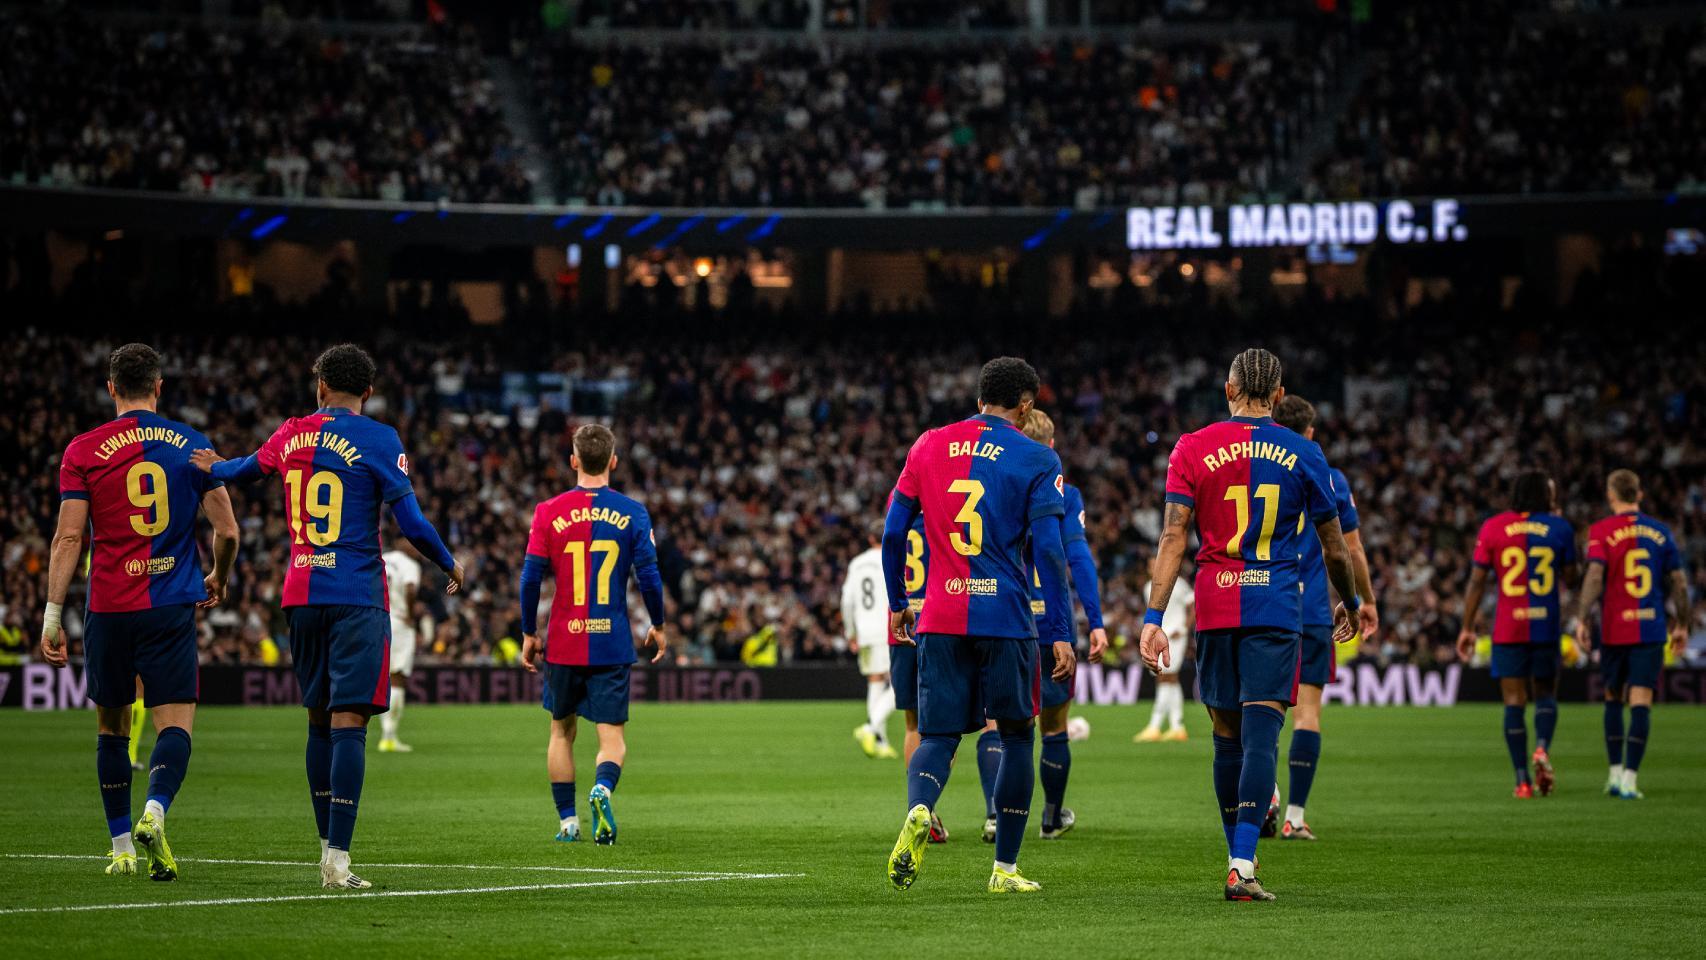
1639 553
143 499
1253 485
402 574
1526 554
593 539
338 468
979 483
865 597
1071 529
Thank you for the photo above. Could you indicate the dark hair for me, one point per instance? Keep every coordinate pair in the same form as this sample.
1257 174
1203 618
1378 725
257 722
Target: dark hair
1531 492
134 369
1625 486
1257 374
1005 381
346 368
1294 413
595 444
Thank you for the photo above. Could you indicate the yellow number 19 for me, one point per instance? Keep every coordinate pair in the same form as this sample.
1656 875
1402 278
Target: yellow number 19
323 500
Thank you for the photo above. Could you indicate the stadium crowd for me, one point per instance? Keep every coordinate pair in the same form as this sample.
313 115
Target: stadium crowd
235 111
764 442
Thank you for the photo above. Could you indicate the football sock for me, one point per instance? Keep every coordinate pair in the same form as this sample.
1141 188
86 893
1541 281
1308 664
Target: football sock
1159 711
1176 706
1228 766
1640 722
564 795
1053 770
1627 781
1305 755
319 758
1516 738
1013 785
988 765
349 768
166 767
1256 783
1614 733
607 774
138 721
928 772
1545 721
389 720
879 703
112 767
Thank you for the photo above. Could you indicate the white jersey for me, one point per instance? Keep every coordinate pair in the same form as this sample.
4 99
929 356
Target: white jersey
402 581
1176 622
864 600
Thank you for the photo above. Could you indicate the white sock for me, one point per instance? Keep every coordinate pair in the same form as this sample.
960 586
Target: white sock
1628 780
1294 814
1616 773
337 859
1175 705
879 704
157 810
1006 867
1245 868
325 850
1157 712
122 844
389 719
563 824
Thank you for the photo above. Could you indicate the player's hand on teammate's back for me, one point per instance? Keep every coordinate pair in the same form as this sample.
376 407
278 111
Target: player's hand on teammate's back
1154 649
216 591
900 624
1465 645
458 575
656 637
1368 620
1065 660
1098 644
530 650
204 460
53 647
1344 627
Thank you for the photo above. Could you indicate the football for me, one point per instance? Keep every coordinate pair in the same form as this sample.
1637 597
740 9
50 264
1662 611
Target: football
1077 728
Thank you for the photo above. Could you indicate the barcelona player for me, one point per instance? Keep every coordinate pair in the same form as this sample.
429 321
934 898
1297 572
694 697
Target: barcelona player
865 620
1246 482
337 468
1531 551
589 538
1054 766
1631 557
903 654
1318 665
130 484
990 496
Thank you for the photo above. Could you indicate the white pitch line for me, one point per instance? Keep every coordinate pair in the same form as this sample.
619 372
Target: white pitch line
706 874
513 888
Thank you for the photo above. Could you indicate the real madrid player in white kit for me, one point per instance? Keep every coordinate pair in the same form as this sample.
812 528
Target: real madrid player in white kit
1178 623
402 581
865 618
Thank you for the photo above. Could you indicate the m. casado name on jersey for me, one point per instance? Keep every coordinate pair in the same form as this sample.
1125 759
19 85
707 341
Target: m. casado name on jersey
608 515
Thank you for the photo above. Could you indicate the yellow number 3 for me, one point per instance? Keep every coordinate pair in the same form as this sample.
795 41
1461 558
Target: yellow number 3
972 543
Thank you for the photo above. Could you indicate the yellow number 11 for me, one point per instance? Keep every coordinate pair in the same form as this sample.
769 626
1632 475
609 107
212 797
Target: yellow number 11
1269 494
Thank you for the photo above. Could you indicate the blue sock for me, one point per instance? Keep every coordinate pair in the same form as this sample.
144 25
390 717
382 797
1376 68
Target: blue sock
988 764
1305 755
564 795
1640 722
928 772
1614 732
1052 770
1516 738
607 775
112 767
1228 766
320 776
1013 785
167 765
1256 784
1545 721
349 768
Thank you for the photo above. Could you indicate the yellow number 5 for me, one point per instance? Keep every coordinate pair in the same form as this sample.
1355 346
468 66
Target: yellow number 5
152 499
972 543
1637 576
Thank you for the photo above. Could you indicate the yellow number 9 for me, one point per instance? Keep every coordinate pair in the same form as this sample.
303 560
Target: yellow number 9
153 499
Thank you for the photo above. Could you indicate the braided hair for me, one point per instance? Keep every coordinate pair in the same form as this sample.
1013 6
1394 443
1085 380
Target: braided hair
1257 374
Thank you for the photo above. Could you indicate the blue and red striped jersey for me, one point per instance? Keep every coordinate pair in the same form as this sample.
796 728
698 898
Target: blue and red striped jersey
1249 481
917 562
1317 602
592 539
1526 553
979 484
143 496
1639 554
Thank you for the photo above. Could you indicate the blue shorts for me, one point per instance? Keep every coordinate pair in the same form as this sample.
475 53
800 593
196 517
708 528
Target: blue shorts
342 656
1538 660
157 645
964 682
1636 664
1246 665
1054 693
1318 666
903 675
599 694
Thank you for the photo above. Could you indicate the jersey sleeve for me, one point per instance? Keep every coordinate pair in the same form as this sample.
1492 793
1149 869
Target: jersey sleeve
203 480
1483 549
1347 504
1596 552
907 488
1182 475
1318 496
1670 558
1072 525
1568 552
270 457
1047 496
73 483
538 543
390 468
645 543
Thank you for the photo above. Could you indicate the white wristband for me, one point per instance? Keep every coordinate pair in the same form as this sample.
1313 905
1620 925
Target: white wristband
50 619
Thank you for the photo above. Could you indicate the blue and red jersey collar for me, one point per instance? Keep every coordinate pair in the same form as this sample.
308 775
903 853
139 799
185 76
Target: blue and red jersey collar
994 420
336 411
1266 419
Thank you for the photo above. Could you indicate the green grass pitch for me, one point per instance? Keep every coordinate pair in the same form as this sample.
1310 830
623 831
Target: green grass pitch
1424 853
